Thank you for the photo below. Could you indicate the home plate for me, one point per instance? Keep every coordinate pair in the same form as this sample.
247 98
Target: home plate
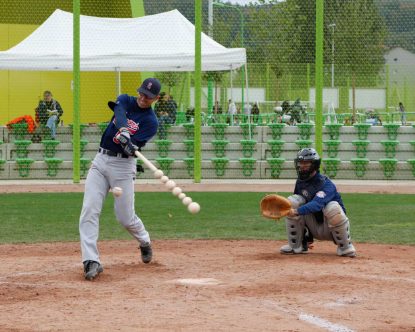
198 281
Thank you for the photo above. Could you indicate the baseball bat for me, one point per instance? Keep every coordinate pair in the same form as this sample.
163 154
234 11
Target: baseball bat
146 161
192 207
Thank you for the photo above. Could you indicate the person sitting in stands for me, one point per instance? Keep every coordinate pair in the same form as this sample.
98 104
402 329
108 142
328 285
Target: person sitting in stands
48 113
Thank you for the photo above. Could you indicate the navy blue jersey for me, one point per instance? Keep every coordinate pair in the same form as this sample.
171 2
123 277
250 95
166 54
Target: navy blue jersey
318 192
141 123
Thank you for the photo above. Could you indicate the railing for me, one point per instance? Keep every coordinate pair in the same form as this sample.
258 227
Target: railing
379 118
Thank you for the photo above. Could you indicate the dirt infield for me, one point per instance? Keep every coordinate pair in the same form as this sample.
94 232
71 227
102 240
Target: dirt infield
208 286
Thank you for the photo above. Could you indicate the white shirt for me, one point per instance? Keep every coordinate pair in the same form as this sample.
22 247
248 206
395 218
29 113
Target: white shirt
232 108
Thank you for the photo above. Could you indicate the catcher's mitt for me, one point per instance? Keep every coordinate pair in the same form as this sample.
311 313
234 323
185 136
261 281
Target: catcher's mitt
275 206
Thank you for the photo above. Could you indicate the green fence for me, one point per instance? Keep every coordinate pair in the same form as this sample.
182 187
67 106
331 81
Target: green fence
363 83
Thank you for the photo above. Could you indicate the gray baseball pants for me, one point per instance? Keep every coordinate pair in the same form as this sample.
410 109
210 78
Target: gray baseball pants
107 172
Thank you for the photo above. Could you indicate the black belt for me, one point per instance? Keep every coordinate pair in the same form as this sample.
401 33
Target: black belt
112 153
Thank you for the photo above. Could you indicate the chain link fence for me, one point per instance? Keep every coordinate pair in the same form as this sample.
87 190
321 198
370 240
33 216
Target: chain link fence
254 117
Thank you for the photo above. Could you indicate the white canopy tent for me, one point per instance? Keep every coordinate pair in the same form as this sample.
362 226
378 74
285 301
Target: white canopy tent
161 42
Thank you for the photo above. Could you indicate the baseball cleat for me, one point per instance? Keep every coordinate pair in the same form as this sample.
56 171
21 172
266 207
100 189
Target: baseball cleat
92 269
146 253
350 251
287 250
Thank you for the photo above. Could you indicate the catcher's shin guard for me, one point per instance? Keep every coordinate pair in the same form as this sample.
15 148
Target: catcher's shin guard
295 233
340 229
295 229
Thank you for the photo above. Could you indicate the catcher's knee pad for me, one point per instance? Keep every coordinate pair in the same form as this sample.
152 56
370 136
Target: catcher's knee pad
295 231
296 201
334 214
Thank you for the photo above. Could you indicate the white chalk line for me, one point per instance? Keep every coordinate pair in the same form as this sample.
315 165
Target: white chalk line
196 281
320 322
311 319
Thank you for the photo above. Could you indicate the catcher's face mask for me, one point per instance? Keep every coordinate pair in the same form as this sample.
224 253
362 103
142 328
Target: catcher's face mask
307 163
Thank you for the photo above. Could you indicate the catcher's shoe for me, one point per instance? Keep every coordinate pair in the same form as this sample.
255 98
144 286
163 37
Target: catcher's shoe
287 250
92 269
146 253
350 251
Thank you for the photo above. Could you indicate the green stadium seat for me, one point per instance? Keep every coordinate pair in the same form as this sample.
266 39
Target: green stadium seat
392 129
331 166
360 165
165 164
333 130
390 147
163 147
220 165
362 130
49 148
23 166
248 166
219 146
21 148
389 166
361 147
276 147
53 165
276 165
332 147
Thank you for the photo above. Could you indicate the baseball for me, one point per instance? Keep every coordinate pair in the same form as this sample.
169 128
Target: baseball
170 184
193 207
181 195
186 200
164 179
158 174
117 191
176 191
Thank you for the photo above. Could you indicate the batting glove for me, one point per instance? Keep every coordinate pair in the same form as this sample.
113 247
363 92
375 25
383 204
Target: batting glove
129 148
124 136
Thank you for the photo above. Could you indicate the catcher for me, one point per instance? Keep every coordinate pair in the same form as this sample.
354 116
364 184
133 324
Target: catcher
315 210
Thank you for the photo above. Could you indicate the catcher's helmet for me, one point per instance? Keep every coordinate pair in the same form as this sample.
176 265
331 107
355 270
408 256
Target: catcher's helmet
307 154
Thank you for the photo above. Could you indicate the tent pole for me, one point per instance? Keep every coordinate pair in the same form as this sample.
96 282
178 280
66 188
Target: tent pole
247 101
231 86
76 72
231 116
118 78
197 173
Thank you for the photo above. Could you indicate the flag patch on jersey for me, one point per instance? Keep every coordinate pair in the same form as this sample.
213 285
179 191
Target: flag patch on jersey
321 194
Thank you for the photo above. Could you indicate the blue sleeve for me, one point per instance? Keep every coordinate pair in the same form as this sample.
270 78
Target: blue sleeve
320 200
119 111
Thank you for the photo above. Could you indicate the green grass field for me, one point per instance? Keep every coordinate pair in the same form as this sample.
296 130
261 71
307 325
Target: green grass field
46 217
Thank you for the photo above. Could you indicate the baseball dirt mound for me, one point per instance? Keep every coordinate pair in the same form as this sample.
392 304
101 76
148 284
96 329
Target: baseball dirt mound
208 285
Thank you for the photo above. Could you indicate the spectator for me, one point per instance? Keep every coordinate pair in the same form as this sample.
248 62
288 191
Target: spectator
218 108
232 111
47 114
171 109
296 112
190 113
255 112
166 114
247 112
171 99
401 109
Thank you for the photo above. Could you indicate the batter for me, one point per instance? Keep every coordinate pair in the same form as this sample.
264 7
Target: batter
134 123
